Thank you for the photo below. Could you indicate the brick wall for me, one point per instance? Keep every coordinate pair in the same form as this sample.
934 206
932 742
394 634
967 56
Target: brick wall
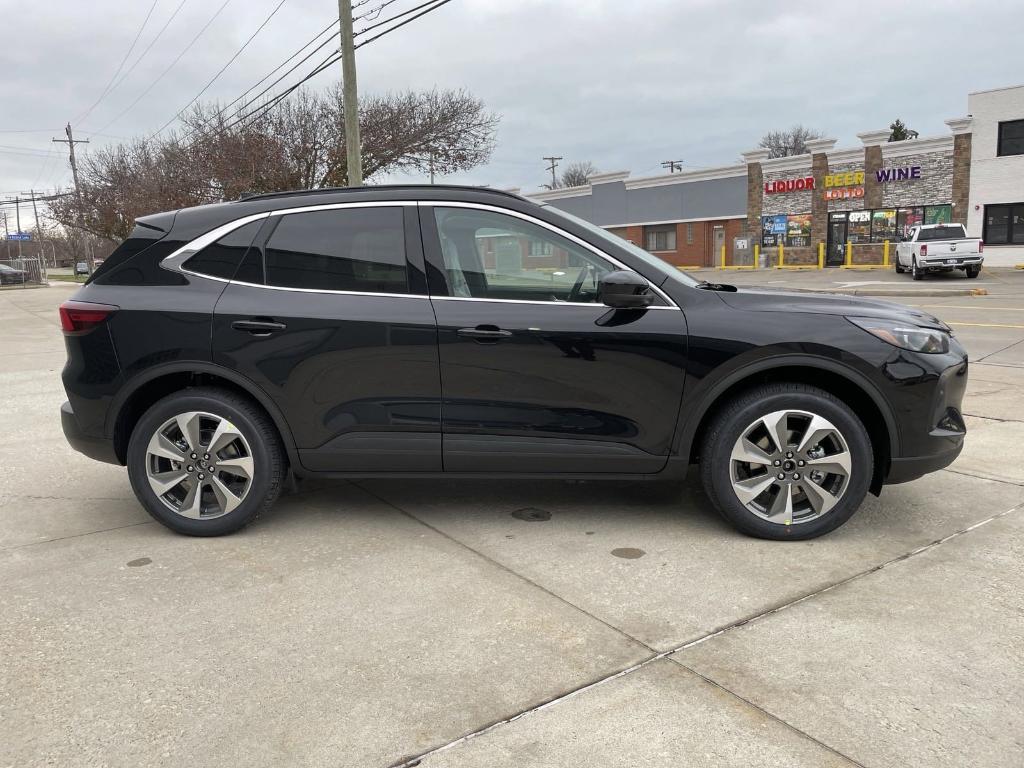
935 187
872 189
961 187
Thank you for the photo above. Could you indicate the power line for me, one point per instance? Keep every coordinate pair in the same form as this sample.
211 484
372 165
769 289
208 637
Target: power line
672 165
402 24
222 69
374 12
113 77
392 18
149 47
170 67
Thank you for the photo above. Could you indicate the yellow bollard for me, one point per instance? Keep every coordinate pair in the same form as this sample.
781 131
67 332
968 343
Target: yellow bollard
885 253
723 257
757 255
849 253
821 255
780 254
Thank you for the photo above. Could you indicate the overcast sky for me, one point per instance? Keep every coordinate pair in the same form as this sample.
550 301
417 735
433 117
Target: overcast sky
622 84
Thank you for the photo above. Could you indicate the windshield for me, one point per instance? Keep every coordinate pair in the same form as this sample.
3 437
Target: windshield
953 232
663 267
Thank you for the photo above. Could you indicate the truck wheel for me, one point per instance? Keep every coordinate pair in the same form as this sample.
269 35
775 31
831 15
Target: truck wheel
974 270
786 461
915 271
205 462
899 267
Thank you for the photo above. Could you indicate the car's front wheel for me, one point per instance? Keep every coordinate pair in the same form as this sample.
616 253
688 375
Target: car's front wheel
205 461
786 461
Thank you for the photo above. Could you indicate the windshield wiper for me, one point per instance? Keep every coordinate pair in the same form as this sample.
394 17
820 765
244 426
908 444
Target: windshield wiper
723 287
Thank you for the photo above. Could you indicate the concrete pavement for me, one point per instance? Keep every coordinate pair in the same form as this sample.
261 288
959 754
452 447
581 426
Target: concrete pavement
510 624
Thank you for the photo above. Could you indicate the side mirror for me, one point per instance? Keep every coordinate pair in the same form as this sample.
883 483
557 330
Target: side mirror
625 290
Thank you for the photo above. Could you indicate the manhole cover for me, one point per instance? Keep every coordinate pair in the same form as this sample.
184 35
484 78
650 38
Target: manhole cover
531 514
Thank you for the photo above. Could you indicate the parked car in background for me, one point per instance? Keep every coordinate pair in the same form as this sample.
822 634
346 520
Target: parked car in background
11 276
82 268
939 248
411 332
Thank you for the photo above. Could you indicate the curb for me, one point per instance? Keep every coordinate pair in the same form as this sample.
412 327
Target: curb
934 292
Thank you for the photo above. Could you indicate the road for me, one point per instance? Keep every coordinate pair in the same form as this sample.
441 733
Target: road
511 624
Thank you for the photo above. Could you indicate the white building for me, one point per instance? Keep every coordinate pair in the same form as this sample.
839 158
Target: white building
996 207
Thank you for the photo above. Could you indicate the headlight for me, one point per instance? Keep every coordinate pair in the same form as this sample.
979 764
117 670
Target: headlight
905 335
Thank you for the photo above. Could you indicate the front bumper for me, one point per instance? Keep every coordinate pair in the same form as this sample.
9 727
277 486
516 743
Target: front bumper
906 469
98 448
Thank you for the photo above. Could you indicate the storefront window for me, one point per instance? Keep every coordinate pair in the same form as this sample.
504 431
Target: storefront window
1004 224
660 238
938 214
883 225
907 218
798 230
858 230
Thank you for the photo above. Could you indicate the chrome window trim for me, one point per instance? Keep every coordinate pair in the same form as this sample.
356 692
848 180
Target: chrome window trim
175 260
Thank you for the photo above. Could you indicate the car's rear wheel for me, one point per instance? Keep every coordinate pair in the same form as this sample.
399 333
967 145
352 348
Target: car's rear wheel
973 270
899 267
786 461
915 271
205 462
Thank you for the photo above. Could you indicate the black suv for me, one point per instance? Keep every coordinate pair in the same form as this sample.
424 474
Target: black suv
446 331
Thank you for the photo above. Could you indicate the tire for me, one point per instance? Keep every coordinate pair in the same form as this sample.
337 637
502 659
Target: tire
915 272
899 267
807 520
247 444
973 271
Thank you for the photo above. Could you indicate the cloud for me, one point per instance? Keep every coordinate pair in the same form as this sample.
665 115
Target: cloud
625 85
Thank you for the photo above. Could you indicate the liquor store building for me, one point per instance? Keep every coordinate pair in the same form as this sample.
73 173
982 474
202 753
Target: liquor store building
827 198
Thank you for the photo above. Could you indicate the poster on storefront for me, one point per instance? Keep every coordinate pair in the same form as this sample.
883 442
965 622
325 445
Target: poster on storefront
773 228
938 214
798 230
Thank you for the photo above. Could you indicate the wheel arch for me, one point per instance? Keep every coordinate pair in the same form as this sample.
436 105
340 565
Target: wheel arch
146 388
840 380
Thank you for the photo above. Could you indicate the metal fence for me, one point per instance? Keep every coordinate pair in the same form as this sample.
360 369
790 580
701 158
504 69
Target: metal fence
22 272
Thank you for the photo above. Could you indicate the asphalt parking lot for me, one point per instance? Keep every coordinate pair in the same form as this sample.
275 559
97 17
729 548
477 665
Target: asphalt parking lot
382 623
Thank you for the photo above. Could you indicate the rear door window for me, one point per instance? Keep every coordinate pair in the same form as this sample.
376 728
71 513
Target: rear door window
355 249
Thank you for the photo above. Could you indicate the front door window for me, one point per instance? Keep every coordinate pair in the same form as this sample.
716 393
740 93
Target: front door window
490 255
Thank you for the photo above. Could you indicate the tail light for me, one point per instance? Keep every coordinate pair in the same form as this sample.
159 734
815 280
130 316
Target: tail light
981 246
924 250
77 317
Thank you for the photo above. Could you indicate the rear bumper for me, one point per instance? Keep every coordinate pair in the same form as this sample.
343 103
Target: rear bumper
98 448
950 262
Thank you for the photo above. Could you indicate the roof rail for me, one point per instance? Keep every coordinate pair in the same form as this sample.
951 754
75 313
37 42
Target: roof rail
336 190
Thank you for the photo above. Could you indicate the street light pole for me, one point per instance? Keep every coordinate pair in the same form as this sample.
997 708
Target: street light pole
353 153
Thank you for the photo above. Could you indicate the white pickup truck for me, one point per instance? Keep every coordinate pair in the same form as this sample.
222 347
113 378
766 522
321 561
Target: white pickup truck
939 248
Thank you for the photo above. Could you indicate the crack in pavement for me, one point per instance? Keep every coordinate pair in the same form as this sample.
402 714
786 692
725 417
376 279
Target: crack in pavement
409 761
75 536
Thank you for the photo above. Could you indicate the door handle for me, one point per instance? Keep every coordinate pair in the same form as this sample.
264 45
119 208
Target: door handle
484 334
258 327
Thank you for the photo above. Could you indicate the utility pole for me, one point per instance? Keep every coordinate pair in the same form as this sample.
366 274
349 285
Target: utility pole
671 165
39 227
431 167
71 141
353 149
7 236
17 223
553 164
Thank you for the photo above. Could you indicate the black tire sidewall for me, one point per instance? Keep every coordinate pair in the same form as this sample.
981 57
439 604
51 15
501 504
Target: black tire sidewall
807 399
265 454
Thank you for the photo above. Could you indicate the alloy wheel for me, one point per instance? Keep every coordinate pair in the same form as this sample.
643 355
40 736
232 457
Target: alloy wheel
790 467
199 465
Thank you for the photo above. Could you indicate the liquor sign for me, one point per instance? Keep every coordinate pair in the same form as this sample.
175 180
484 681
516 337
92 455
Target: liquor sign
789 185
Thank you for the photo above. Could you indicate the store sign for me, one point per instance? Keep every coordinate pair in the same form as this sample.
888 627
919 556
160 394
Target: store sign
789 185
844 186
907 173
848 179
773 229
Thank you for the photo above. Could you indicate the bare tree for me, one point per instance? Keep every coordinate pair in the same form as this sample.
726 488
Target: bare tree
577 174
787 143
297 145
